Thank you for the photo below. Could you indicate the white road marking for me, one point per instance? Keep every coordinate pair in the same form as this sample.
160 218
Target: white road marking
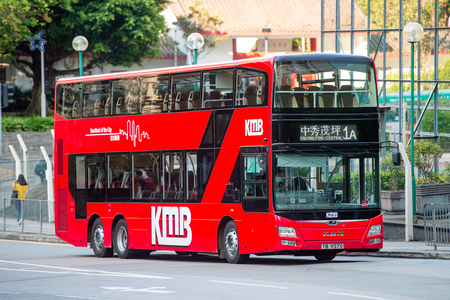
156 290
356 296
77 297
65 270
251 284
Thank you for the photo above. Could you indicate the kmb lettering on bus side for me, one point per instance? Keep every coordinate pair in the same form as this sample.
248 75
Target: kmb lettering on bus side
254 127
176 229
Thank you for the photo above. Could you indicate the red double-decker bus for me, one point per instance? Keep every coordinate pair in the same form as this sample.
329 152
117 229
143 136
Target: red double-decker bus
274 155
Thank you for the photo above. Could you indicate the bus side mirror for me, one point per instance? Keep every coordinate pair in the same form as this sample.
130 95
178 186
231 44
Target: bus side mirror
396 159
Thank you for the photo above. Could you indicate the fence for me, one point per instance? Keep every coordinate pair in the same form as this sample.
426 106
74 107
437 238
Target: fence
437 224
35 216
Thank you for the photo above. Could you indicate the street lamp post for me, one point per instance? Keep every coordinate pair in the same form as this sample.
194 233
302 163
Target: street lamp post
413 33
80 44
175 26
195 41
266 32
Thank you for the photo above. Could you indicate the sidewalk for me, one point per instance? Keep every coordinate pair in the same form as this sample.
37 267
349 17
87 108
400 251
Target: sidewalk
397 249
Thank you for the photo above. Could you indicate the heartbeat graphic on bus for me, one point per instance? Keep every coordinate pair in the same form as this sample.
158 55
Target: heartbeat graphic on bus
132 133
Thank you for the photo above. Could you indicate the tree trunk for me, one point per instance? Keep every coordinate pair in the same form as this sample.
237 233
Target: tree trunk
34 108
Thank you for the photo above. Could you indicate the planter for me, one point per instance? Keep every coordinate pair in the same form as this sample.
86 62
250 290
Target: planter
431 193
393 201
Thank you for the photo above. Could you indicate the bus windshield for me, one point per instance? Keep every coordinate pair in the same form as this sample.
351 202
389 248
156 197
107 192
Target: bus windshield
337 83
329 181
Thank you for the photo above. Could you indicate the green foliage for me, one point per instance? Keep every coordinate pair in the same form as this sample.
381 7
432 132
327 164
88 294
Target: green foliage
203 21
392 177
35 123
425 154
409 15
354 186
120 32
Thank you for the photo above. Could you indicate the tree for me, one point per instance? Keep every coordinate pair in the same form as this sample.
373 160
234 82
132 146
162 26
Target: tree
203 21
410 14
120 32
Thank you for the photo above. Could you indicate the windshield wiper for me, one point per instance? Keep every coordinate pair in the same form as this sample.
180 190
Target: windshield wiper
323 148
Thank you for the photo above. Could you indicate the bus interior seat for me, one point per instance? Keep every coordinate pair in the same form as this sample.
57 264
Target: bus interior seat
251 95
166 102
261 94
287 100
228 99
119 106
145 194
194 98
348 98
215 97
130 105
108 106
327 99
88 108
300 97
310 97
75 113
183 103
156 104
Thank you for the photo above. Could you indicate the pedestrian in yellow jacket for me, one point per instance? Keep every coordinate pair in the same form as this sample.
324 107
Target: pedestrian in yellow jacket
21 186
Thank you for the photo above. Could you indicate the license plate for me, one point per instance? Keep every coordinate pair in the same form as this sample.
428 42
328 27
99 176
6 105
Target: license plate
333 246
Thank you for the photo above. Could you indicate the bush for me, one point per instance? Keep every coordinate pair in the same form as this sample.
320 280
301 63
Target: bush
392 177
35 123
425 155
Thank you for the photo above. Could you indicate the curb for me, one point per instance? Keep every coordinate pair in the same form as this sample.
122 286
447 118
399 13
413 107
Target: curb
400 254
30 237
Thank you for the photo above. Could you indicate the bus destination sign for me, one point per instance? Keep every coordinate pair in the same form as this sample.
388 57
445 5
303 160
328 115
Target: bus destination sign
328 132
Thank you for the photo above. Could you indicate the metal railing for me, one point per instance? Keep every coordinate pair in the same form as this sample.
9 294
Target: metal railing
36 216
437 224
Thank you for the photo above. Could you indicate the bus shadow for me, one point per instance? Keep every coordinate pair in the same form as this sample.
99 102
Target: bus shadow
253 260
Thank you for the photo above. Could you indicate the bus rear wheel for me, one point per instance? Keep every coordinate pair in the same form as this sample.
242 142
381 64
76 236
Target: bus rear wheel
231 244
121 240
98 240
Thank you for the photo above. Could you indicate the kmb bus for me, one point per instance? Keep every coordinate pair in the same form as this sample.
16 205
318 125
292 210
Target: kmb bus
274 155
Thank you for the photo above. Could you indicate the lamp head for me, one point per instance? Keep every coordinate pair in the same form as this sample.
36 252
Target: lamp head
195 41
80 43
413 32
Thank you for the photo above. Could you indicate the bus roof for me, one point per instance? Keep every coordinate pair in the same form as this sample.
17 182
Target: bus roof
192 68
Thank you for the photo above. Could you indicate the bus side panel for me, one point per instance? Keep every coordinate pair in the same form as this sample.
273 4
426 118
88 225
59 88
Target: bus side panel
254 233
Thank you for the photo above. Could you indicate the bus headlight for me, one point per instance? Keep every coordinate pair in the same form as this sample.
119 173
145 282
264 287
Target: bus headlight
286 231
374 230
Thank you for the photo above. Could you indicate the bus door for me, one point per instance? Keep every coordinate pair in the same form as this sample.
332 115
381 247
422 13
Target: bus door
255 200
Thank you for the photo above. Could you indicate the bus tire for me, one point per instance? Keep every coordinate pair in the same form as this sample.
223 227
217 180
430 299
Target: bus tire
231 245
98 240
121 240
325 256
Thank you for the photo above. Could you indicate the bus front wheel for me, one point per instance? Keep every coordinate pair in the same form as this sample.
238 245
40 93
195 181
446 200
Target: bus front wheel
231 244
121 240
325 256
98 240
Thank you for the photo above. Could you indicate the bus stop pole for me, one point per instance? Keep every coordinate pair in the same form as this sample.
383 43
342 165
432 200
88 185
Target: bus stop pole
49 176
25 157
409 229
18 164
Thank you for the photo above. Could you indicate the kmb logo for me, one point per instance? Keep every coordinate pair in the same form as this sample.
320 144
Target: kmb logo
176 229
253 127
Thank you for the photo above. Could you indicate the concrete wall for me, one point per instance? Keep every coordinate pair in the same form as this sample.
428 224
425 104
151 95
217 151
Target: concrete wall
33 141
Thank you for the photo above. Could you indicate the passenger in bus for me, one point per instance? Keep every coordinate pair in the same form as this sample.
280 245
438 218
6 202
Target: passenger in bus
280 183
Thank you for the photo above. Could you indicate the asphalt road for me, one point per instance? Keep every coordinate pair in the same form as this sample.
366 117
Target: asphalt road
57 271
